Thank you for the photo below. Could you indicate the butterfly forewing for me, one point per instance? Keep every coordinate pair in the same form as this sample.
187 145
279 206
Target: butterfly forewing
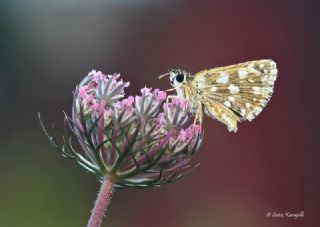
237 92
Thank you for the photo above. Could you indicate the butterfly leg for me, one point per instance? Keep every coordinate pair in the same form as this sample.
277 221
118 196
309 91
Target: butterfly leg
170 97
199 114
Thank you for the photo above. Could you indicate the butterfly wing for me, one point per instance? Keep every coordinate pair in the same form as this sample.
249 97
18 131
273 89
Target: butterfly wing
237 92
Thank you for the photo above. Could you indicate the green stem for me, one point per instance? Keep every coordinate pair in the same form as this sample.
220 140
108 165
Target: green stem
101 203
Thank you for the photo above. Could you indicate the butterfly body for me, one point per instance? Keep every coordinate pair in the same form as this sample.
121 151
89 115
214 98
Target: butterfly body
228 94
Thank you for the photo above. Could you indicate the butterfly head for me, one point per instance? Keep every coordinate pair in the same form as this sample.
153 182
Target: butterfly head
177 77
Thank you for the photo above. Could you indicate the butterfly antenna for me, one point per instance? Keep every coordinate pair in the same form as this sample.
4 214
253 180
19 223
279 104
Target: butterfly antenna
163 75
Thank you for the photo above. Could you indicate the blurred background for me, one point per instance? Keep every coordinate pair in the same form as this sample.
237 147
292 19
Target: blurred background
269 165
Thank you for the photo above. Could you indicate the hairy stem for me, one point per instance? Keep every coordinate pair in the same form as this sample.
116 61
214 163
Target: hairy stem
101 203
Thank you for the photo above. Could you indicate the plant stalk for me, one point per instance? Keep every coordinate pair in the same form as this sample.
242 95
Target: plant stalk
101 203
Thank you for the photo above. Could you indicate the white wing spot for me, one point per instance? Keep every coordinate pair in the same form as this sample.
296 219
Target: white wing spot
243 111
233 89
258 110
227 103
250 116
257 89
251 65
223 78
273 64
242 74
231 98
274 71
213 89
202 83
248 105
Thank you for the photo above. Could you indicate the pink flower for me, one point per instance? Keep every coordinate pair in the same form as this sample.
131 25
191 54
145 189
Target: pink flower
145 91
161 95
88 98
138 142
98 76
183 135
95 106
82 91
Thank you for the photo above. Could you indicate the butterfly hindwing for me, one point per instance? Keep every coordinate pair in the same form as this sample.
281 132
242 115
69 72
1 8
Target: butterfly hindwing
223 114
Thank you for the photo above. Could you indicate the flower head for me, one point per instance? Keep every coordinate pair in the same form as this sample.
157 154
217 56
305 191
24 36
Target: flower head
138 141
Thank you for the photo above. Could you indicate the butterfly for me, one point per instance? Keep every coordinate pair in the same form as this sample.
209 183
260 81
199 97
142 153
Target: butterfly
229 94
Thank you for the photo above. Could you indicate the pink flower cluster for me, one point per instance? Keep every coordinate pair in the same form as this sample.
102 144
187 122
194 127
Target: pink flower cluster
139 141
187 134
97 86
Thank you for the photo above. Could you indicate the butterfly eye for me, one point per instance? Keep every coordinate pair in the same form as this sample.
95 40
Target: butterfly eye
180 77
